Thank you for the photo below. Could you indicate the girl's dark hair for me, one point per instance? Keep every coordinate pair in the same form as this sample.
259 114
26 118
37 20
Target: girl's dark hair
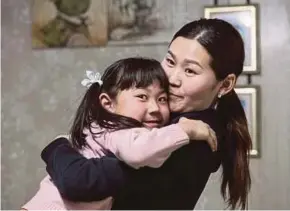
121 75
225 45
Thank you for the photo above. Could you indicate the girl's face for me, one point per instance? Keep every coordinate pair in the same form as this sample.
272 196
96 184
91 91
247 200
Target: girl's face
193 85
148 105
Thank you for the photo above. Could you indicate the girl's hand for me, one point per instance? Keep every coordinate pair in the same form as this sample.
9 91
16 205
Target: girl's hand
198 130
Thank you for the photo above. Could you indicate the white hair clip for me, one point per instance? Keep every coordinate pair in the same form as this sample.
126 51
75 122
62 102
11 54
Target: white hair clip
92 78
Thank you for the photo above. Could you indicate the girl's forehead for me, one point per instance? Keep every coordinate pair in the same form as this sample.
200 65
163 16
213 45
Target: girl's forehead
155 86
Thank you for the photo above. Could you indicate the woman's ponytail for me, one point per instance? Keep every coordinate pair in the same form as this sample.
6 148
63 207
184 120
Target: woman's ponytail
236 180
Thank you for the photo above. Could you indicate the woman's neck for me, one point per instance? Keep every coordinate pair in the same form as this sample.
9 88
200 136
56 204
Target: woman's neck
176 114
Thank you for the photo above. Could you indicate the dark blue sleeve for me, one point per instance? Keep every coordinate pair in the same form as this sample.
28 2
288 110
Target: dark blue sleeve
78 178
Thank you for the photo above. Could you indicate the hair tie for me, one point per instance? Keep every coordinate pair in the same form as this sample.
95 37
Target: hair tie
92 78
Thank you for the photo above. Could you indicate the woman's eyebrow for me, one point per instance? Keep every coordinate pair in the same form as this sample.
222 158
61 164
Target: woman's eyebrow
171 54
192 61
188 61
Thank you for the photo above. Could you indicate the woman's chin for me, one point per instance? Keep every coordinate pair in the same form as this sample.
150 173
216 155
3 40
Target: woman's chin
176 107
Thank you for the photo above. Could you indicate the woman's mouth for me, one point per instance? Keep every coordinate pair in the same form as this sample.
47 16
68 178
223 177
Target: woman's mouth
174 96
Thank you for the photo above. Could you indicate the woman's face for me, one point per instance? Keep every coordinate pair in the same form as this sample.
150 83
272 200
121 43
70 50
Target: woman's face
193 85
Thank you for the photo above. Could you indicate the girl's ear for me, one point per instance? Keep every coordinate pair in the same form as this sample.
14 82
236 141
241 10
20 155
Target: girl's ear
107 103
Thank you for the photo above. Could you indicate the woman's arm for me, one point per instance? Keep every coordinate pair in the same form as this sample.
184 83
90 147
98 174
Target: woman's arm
80 179
75 175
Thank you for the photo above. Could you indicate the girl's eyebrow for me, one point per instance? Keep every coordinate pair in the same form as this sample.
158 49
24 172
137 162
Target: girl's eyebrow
162 92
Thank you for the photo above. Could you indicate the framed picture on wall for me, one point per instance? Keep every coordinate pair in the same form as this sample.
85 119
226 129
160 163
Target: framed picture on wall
141 22
250 98
244 19
74 23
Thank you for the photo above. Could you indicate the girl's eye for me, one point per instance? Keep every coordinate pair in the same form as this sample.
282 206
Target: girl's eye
163 99
142 97
190 71
169 61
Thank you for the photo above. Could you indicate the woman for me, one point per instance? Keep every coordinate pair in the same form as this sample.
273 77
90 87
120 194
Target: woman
203 61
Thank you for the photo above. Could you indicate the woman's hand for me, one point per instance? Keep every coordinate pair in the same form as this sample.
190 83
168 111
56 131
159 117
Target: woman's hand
198 130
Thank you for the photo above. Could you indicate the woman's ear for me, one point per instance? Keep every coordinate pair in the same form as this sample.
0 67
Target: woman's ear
227 85
107 103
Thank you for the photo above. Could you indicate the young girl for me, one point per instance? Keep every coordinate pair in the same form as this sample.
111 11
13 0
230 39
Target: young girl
122 113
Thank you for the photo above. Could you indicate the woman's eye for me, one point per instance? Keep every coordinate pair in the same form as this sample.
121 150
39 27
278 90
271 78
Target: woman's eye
142 97
170 61
190 71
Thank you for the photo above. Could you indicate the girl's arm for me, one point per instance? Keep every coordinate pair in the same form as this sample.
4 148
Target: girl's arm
141 147
75 176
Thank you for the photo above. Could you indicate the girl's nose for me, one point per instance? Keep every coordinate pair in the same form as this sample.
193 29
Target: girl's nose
153 107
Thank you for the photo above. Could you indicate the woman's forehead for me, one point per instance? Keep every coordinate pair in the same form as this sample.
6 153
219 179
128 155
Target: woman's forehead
187 47
189 51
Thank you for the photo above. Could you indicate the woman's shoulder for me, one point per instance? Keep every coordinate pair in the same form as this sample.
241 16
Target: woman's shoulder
199 151
207 115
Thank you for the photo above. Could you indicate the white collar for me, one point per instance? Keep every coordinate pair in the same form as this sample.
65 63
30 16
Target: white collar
78 20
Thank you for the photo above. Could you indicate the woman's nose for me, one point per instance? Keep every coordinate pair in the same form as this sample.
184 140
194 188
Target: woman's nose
174 78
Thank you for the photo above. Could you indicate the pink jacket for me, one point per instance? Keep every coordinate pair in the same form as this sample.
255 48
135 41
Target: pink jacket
137 147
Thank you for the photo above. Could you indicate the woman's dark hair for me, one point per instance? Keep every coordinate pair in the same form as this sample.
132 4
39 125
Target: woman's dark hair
121 75
225 45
